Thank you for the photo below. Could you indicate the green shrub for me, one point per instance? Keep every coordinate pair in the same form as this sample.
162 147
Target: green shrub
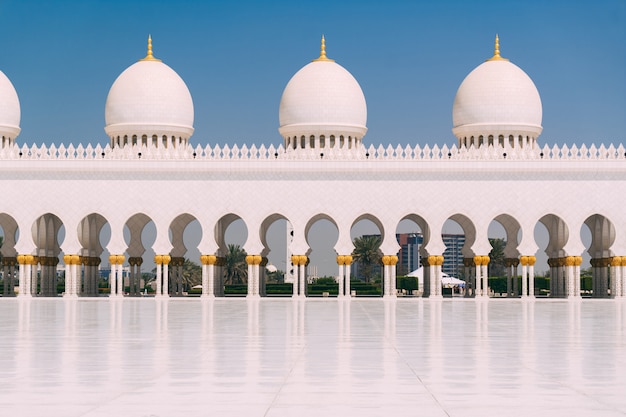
279 289
407 283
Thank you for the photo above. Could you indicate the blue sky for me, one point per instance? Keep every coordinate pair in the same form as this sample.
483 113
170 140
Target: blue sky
237 56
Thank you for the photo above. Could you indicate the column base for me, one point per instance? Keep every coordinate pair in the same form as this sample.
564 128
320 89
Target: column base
253 296
20 295
207 297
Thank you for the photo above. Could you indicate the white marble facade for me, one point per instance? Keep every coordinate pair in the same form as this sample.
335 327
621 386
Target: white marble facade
152 171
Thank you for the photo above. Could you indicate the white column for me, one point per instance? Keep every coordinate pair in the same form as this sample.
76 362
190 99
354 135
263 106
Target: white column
28 274
166 274
158 260
113 276
622 269
69 281
211 271
386 278
75 274
509 278
392 275
531 276
21 275
485 276
525 277
205 277
120 276
569 273
340 293
468 278
250 276
31 278
302 278
348 263
296 275
478 292
432 276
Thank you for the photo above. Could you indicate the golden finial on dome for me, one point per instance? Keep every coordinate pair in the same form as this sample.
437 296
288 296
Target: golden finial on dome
496 52
323 56
149 56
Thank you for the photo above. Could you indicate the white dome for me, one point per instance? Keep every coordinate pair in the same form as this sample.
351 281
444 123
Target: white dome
497 98
323 99
9 109
149 98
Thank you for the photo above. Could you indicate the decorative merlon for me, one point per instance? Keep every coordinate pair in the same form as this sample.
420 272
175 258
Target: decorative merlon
271 152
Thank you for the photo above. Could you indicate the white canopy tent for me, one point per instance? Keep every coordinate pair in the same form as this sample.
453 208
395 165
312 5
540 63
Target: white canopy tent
446 280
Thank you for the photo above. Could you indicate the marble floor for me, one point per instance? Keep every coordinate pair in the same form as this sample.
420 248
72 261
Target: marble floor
313 357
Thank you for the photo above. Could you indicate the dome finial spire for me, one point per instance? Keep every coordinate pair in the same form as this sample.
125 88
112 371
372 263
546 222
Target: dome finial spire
496 51
149 56
323 56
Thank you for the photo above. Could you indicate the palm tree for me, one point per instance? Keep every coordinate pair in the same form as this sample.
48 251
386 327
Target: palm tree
366 253
192 274
496 258
235 267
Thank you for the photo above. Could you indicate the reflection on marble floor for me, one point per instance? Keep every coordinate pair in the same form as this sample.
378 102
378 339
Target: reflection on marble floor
283 357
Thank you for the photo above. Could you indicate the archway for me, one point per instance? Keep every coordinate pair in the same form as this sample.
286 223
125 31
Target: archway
602 234
184 231
276 272
140 234
557 234
48 233
504 235
367 234
8 255
458 235
94 233
412 234
231 234
321 234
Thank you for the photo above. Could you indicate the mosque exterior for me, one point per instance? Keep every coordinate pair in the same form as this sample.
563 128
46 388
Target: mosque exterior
151 171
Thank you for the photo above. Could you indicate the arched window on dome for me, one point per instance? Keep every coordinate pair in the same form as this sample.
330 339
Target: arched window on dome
144 140
134 140
480 140
349 142
302 142
512 141
341 142
490 140
164 141
125 140
501 140
155 140
322 141
471 143
312 141
332 141
173 141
